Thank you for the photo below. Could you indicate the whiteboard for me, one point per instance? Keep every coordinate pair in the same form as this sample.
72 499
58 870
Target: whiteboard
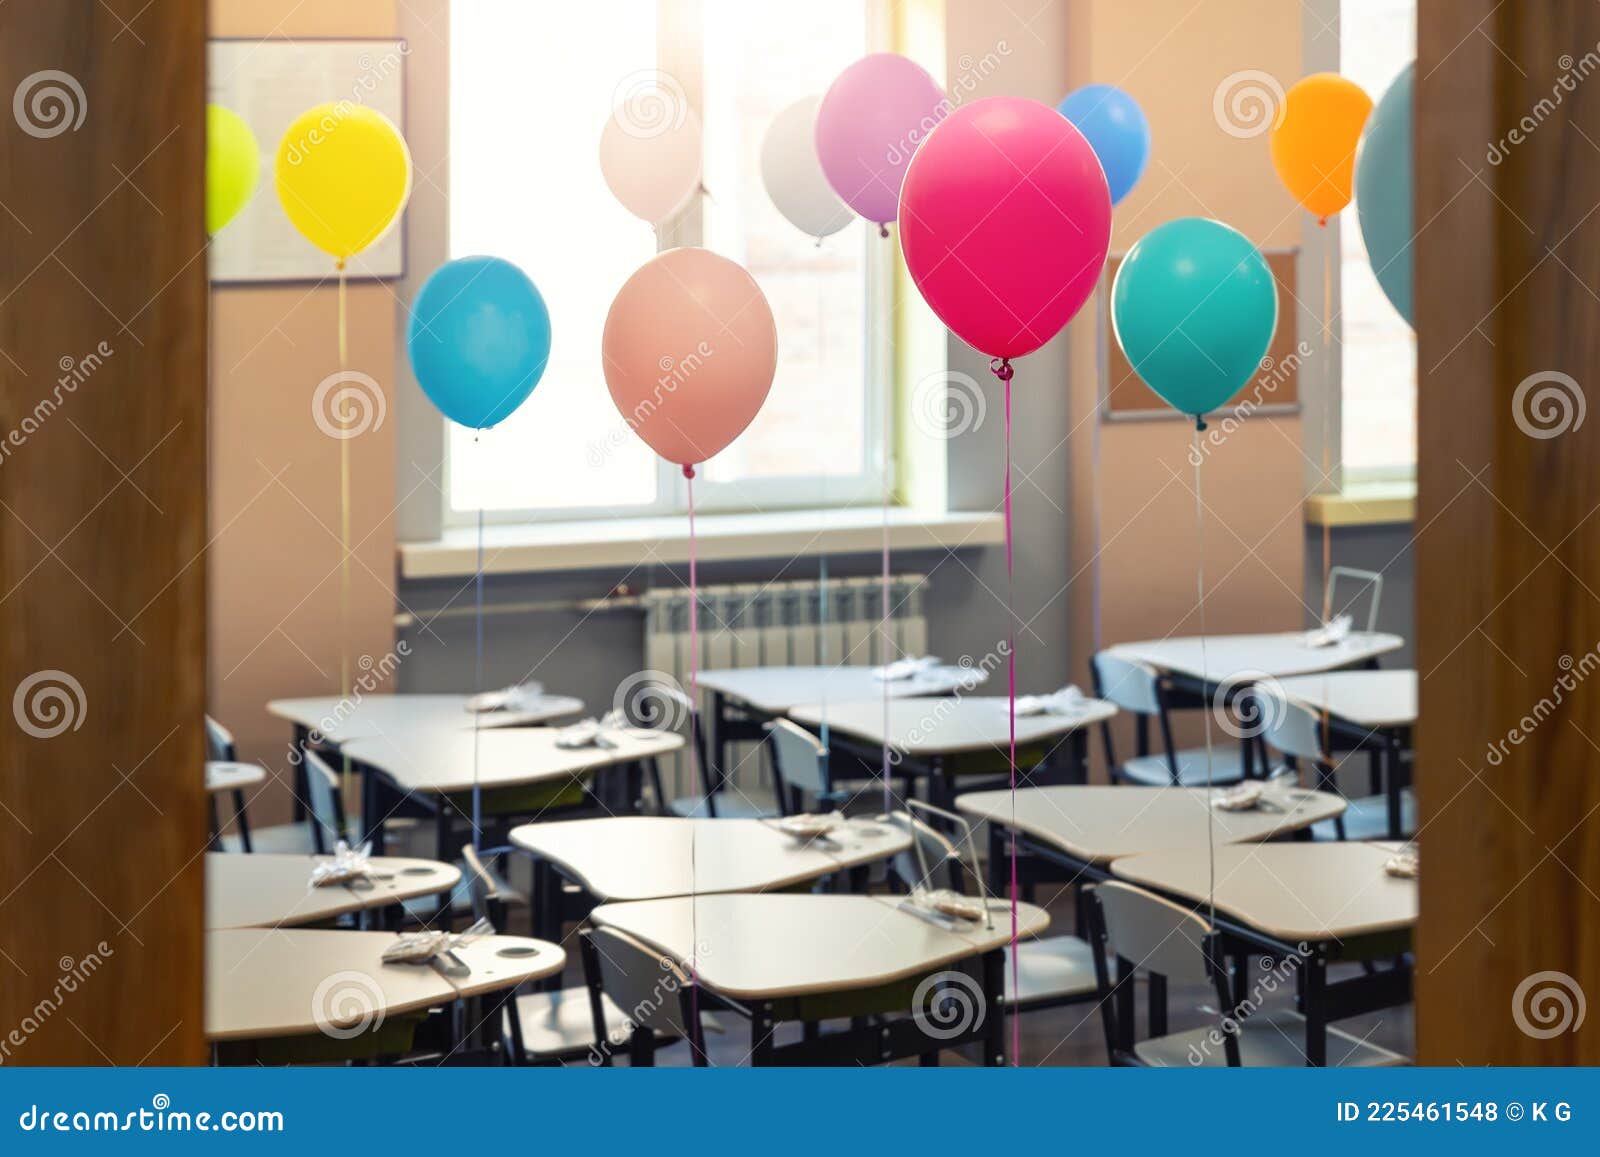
269 83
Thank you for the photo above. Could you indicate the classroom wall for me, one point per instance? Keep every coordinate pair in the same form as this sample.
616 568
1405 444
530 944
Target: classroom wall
1133 504
274 495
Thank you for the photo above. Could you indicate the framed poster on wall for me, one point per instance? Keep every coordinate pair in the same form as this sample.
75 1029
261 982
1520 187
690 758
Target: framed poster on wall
269 83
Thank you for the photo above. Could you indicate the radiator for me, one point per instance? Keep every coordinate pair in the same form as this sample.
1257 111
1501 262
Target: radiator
777 625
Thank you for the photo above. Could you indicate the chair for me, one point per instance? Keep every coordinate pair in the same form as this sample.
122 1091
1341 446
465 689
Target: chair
1370 578
1051 970
1146 933
220 748
800 767
719 799
219 743
1141 692
1296 731
654 991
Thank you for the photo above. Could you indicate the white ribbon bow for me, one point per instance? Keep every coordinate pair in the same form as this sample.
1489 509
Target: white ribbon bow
347 864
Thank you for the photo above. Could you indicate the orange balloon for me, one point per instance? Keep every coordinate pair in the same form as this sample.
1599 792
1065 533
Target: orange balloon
689 351
1314 141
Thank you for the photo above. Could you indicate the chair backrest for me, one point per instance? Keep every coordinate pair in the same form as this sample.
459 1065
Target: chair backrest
1288 725
219 742
326 802
1331 606
639 980
659 715
1131 686
931 861
799 758
1154 934
482 886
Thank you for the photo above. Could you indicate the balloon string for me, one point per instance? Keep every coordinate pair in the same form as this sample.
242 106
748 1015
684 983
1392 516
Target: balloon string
345 435
1327 458
1200 601
694 712
477 679
887 648
1002 370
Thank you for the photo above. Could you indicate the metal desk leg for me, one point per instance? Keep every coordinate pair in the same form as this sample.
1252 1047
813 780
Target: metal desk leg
994 994
717 743
1316 1013
1079 756
302 786
241 821
1391 785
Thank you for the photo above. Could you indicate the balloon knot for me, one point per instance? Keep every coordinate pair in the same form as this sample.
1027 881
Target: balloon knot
1322 222
688 470
1001 368
1199 423
339 263
883 230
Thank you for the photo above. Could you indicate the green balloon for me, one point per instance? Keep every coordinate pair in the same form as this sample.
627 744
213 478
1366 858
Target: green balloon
233 166
1383 192
1194 307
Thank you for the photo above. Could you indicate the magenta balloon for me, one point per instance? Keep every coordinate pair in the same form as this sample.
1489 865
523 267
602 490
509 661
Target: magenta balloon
1005 219
869 125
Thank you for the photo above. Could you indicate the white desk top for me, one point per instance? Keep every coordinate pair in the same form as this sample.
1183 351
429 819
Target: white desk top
1228 657
438 760
1365 698
222 775
932 727
259 890
760 946
774 690
1100 824
337 721
275 982
1291 891
649 857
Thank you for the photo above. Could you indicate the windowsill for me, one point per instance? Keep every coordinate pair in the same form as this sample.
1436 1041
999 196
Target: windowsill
531 547
1364 504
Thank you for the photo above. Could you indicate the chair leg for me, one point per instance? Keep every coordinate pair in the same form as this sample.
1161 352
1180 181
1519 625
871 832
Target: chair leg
241 821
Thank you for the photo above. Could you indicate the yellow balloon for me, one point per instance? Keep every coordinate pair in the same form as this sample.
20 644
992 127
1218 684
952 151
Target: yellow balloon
1314 141
343 175
233 166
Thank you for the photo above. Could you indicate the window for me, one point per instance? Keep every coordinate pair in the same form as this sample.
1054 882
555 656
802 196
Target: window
537 198
1377 38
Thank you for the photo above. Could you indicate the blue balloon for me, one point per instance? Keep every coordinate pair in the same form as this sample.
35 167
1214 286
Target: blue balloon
1194 307
1383 192
1114 125
479 339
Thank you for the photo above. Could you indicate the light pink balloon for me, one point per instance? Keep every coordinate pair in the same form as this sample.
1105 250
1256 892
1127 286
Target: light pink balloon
869 125
1005 219
690 348
652 168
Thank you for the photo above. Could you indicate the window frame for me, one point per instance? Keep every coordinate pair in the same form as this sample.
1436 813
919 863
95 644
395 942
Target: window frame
678 53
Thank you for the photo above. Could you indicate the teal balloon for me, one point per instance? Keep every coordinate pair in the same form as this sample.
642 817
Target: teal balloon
479 339
1383 192
1194 307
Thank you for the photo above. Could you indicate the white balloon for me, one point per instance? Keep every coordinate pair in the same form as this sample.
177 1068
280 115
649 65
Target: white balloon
793 174
650 148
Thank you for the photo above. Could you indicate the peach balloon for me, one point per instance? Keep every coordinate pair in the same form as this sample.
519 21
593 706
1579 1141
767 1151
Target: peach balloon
689 348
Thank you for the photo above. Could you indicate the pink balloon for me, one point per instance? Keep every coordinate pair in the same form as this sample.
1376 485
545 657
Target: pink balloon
690 348
869 125
1005 219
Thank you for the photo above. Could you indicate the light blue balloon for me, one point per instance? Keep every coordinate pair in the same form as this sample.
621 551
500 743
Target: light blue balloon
1114 125
1194 307
479 339
1383 192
